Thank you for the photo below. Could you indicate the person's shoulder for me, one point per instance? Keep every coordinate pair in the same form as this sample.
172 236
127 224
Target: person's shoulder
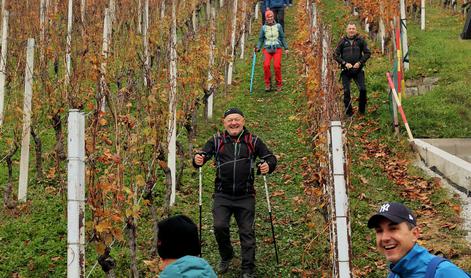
188 266
448 269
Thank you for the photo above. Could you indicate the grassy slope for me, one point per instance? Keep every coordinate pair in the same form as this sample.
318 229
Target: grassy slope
38 247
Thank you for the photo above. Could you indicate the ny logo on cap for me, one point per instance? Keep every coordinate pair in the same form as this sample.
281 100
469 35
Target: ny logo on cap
384 208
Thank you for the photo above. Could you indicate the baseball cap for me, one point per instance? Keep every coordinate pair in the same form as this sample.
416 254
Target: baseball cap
396 212
233 110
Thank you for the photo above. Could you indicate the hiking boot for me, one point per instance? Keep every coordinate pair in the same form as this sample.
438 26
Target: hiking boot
279 89
248 275
267 89
224 265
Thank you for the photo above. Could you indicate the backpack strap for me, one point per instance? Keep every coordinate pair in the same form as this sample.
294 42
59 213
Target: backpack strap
432 266
218 144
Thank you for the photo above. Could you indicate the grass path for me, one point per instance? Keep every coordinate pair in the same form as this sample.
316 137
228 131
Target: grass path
274 117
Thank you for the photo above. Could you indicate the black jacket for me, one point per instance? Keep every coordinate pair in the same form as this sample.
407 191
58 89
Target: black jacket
235 162
347 52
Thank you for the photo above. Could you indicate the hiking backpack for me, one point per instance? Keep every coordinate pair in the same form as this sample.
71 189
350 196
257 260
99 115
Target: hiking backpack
248 138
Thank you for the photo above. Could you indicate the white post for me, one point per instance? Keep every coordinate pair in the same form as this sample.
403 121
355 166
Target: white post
24 160
212 47
3 63
367 26
339 205
104 52
422 15
315 24
325 60
382 34
145 27
221 3
162 9
405 47
112 7
208 10
194 19
172 139
76 194
83 10
139 16
257 9
233 39
68 49
42 23
243 21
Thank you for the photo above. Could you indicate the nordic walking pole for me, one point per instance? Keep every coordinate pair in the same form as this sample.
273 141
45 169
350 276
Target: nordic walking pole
200 200
253 71
271 217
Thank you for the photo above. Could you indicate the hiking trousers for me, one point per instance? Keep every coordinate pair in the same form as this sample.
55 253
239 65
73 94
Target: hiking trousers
359 78
276 64
279 15
243 209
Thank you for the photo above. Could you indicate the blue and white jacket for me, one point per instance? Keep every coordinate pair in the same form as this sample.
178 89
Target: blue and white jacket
414 265
272 36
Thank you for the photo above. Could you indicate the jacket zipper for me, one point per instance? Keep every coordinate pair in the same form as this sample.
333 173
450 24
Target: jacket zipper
234 170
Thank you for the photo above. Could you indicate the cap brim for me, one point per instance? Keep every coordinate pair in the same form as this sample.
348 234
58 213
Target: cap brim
373 222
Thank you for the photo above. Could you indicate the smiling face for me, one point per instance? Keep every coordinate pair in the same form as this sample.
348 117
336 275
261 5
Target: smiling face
270 18
395 240
234 124
351 30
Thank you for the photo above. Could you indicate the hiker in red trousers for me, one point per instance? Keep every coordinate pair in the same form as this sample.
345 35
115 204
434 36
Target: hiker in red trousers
272 39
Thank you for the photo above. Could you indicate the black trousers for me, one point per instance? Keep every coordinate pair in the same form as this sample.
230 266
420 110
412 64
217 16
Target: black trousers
359 77
243 209
279 14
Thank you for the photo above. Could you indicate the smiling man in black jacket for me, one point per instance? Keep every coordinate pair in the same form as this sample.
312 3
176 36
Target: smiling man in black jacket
352 53
235 152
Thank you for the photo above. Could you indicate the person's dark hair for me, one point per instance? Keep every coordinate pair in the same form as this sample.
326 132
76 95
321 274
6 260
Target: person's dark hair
177 237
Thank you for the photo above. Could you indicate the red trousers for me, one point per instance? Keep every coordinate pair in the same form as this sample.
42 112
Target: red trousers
276 63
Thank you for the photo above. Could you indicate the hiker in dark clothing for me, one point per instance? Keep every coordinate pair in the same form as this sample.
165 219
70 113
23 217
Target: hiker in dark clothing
352 53
235 152
396 238
278 9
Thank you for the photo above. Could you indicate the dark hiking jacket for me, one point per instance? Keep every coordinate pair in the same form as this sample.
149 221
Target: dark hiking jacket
352 52
235 162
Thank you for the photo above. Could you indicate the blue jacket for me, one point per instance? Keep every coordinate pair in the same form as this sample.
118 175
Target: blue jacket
188 267
275 3
414 265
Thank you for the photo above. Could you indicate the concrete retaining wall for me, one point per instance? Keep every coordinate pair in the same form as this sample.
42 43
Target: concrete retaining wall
452 167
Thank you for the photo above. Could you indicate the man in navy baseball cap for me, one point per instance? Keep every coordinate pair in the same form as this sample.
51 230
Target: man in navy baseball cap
396 238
